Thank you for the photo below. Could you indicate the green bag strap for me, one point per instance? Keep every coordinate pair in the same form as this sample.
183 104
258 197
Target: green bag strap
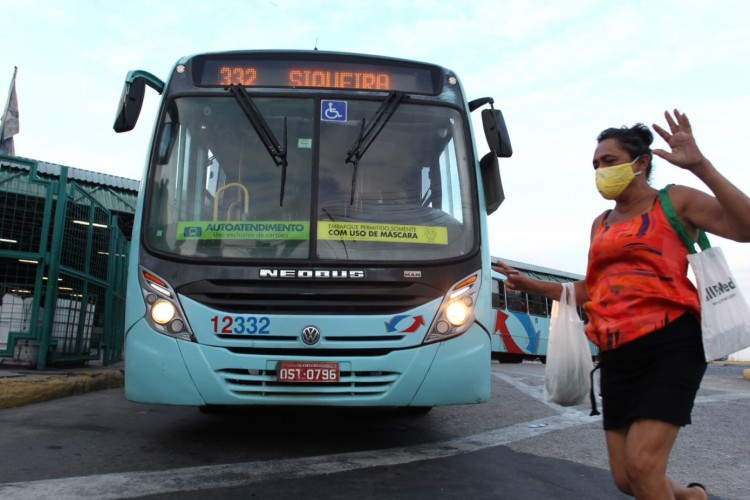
666 206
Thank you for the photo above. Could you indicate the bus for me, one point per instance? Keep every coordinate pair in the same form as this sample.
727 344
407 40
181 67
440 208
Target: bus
311 229
522 320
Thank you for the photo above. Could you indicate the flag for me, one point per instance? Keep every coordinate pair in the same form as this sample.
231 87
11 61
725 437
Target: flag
10 120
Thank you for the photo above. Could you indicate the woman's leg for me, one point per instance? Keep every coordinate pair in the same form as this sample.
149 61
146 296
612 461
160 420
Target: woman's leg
616 448
647 449
638 459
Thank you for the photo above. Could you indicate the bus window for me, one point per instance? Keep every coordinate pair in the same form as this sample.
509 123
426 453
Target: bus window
498 294
537 305
517 301
217 192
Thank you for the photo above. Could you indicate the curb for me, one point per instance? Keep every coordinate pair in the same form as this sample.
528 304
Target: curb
24 390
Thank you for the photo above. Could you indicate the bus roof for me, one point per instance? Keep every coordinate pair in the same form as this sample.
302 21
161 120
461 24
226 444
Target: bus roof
540 272
314 53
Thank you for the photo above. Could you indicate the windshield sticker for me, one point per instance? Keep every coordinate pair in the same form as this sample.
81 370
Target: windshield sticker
398 233
333 111
304 143
243 230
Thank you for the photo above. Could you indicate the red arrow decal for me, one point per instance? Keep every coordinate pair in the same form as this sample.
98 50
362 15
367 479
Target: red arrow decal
505 337
418 321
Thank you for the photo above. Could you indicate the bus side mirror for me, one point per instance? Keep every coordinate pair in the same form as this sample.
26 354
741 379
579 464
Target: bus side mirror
496 132
131 99
493 186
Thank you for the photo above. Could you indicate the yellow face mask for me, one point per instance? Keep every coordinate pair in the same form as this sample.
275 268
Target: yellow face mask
612 181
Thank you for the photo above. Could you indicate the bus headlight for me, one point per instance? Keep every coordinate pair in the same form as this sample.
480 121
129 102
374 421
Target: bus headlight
456 313
163 310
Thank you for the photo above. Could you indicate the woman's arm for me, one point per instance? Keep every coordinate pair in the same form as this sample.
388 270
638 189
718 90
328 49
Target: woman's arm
727 213
516 280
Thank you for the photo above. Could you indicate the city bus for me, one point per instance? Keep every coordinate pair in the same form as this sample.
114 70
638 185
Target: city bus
311 229
522 320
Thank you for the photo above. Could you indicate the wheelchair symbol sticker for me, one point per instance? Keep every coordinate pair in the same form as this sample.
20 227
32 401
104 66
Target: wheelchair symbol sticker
333 111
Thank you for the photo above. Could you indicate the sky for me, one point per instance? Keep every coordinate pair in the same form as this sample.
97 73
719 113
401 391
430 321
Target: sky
560 71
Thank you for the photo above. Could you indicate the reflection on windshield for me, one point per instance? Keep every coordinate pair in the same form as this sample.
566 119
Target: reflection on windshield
366 136
276 150
215 194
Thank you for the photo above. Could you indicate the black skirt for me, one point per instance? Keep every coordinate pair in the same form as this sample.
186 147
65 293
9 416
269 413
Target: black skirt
656 376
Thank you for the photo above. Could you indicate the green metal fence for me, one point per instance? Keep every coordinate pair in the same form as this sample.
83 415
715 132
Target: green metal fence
63 264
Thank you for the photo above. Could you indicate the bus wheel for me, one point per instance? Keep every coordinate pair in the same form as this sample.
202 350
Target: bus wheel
414 410
543 359
504 357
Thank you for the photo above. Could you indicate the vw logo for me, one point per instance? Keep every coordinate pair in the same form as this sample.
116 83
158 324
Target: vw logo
310 335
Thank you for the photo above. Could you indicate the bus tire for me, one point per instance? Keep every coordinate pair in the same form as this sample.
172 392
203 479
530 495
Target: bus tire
505 357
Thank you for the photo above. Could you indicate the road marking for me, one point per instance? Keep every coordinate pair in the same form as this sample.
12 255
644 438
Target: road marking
722 397
135 484
536 391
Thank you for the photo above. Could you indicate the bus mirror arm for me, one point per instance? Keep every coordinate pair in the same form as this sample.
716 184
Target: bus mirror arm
477 103
131 99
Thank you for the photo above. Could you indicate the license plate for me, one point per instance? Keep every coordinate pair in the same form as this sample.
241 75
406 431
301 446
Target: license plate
307 372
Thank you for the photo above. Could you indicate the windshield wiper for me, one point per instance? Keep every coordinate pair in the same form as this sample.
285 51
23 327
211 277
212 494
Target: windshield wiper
368 135
276 150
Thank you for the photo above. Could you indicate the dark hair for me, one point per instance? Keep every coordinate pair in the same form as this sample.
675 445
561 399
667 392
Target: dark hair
636 140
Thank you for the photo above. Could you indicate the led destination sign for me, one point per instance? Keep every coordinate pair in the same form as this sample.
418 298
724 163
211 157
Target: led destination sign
316 74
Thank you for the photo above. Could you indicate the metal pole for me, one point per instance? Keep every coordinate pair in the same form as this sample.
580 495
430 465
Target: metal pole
50 299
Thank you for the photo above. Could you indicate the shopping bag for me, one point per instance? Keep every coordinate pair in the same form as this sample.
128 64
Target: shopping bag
725 314
567 373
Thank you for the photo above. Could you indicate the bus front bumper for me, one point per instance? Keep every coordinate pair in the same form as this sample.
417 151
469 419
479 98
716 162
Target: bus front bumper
160 369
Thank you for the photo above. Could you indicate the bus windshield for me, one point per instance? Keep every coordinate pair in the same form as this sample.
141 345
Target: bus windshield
217 191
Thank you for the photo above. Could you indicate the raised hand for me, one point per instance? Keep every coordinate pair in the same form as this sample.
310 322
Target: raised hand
516 280
685 152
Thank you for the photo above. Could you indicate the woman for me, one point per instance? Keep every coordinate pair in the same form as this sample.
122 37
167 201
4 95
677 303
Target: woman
644 313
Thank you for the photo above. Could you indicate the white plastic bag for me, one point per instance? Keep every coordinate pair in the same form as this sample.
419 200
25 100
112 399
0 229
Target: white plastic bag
567 373
725 315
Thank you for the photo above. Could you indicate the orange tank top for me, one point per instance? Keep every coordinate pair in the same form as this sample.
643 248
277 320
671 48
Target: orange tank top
636 279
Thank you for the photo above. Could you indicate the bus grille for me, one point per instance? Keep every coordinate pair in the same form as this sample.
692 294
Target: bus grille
314 298
263 383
